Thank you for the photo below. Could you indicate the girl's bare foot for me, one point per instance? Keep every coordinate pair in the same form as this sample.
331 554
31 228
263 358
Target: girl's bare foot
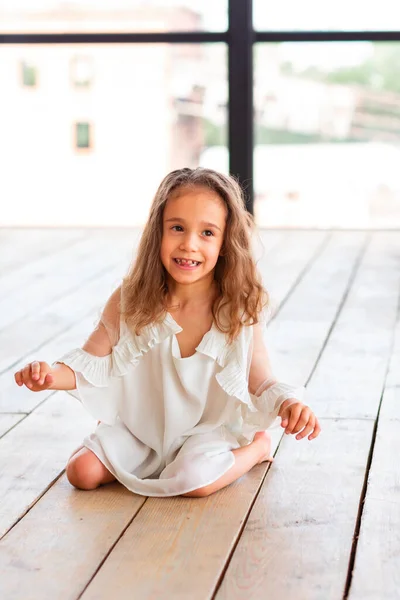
263 440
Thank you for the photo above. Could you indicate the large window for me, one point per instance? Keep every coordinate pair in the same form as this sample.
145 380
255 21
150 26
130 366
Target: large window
299 100
327 134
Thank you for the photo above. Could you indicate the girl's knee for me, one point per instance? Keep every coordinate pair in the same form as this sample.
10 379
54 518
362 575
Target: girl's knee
199 493
84 470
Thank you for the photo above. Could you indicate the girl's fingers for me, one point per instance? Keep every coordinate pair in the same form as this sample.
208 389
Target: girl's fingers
48 380
303 420
317 430
307 429
35 370
294 417
26 376
18 378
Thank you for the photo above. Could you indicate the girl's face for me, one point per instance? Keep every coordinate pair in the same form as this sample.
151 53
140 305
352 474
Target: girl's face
193 232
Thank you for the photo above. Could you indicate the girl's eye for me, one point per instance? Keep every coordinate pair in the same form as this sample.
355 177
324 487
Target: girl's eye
208 232
173 227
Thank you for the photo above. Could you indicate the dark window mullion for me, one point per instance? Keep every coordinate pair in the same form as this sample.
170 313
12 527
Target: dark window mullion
240 77
189 37
326 36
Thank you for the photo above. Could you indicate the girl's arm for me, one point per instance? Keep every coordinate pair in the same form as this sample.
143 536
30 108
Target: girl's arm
260 368
99 343
281 397
39 376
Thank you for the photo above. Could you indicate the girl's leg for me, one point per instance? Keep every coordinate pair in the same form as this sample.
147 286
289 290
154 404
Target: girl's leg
245 459
86 472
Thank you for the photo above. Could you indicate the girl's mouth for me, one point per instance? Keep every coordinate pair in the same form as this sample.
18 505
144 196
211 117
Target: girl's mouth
188 265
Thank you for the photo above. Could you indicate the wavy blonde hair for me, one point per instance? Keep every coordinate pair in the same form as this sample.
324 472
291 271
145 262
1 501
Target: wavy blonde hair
240 291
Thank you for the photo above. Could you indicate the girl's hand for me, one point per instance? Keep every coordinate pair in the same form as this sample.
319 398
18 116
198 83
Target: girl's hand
37 376
297 415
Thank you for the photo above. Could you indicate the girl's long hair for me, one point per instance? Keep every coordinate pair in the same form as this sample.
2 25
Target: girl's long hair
241 296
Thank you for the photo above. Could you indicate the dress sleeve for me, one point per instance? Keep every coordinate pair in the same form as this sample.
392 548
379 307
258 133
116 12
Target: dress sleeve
96 365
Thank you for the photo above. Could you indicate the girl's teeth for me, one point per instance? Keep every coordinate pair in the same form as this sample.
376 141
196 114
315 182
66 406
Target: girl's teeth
186 262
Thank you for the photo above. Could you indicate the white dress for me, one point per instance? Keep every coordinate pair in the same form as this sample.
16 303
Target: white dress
169 424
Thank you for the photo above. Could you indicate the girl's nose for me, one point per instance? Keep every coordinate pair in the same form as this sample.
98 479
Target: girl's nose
189 241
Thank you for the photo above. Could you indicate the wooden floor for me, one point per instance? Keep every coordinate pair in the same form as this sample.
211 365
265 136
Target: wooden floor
322 522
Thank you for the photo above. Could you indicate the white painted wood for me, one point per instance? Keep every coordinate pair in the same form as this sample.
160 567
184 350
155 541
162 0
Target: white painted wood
69 332
30 333
28 245
348 380
54 276
9 420
296 337
286 261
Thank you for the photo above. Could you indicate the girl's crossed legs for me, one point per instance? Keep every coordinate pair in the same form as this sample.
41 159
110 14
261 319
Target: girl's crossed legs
85 471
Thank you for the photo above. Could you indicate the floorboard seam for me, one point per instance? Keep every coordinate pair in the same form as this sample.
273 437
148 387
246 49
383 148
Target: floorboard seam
351 279
29 508
111 549
65 329
302 273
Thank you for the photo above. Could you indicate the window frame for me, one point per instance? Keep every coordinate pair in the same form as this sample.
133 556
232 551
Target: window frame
239 38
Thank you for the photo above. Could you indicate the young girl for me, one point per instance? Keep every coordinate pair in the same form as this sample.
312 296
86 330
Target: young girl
177 372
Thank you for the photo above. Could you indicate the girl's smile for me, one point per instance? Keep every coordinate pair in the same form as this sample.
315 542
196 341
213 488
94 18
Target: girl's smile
186 263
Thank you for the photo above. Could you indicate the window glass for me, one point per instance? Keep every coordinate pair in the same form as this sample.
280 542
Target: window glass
102 151
314 15
58 16
327 134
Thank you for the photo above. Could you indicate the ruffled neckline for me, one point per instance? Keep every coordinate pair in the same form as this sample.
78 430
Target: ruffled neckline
212 344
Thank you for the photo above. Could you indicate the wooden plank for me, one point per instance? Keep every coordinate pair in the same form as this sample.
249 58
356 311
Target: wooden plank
80 251
390 408
7 421
297 540
77 529
297 336
83 305
30 333
285 264
34 453
376 571
65 519
54 276
27 245
172 548
349 378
